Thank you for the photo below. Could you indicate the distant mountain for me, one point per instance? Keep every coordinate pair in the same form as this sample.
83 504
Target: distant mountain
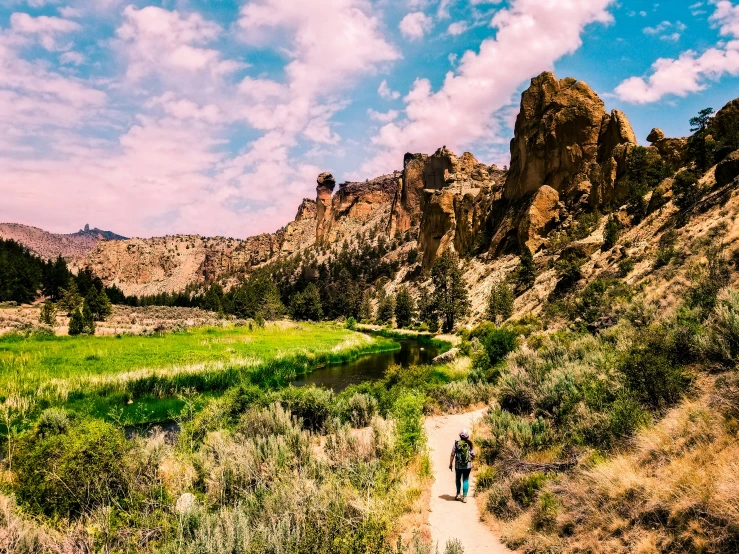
73 246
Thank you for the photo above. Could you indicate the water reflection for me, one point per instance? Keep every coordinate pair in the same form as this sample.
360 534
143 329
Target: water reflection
370 367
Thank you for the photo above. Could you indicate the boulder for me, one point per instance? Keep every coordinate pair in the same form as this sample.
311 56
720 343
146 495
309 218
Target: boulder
726 121
656 135
446 357
728 169
185 503
674 151
324 191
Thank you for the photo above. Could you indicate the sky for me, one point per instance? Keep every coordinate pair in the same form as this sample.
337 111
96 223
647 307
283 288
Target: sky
215 117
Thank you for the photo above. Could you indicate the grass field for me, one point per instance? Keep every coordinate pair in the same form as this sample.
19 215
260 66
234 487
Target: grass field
144 375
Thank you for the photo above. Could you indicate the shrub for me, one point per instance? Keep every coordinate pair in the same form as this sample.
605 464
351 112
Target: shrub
625 267
351 323
497 343
721 340
711 280
408 413
47 316
310 405
359 409
525 489
526 273
263 422
686 190
69 473
651 374
544 515
486 478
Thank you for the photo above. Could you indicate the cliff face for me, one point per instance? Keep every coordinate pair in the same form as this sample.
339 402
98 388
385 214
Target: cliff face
568 156
47 245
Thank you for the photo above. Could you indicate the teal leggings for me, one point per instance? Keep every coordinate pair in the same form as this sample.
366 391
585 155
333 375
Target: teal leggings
463 480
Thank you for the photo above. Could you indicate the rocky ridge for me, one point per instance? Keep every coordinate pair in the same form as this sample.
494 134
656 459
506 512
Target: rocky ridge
73 246
568 157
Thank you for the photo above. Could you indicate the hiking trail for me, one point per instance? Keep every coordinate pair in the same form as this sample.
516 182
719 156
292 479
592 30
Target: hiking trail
448 518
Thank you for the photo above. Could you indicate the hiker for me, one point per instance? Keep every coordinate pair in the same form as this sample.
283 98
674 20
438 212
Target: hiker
463 453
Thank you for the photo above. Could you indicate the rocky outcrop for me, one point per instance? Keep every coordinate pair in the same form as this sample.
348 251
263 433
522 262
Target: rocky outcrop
656 135
726 121
453 217
324 191
674 151
306 210
567 153
728 169
564 139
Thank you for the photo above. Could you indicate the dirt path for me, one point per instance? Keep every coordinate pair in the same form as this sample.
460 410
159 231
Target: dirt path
448 518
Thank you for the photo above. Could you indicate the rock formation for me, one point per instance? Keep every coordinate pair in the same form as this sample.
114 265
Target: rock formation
324 190
728 169
673 150
565 141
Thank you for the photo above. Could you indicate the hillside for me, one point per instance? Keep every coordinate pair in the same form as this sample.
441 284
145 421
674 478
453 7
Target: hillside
73 246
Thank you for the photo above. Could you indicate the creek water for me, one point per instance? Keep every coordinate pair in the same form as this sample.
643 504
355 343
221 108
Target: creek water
369 367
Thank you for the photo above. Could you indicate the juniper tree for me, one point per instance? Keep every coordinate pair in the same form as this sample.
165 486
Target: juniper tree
386 309
500 302
47 316
526 275
405 308
450 290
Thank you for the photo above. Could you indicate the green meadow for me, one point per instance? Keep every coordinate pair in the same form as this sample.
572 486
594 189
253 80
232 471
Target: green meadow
143 378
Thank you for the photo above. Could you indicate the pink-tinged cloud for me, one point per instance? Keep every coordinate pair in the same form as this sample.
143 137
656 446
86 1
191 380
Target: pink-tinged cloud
157 41
464 109
690 72
415 25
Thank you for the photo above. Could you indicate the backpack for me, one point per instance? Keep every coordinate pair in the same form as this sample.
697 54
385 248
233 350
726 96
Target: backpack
462 453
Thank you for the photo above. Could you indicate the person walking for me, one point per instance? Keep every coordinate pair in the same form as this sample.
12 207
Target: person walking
463 453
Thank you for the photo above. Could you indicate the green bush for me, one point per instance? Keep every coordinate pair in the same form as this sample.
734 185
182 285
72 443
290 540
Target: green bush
652 375
359 409
70 473
525 489
351 323
721 340
544 515
312 406
686 189
497 343
408 413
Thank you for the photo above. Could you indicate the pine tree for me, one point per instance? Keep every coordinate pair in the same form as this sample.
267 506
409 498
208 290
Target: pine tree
500 302
427 310
313 307
526 270
70 298
76 323
405 308
366 313
98 304
88 320
386 309
700 146
450 291
610 233
48 314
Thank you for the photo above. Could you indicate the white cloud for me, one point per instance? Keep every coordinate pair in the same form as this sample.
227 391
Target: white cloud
457 28
46 29
666 30
385 92
464 109
690 72
415 25
160 41
386 117
72 58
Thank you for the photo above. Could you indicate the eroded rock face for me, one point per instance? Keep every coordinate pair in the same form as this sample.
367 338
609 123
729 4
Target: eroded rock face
306 210
563 137
540 218
567 153
728 169
420 172
454 217
324 191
